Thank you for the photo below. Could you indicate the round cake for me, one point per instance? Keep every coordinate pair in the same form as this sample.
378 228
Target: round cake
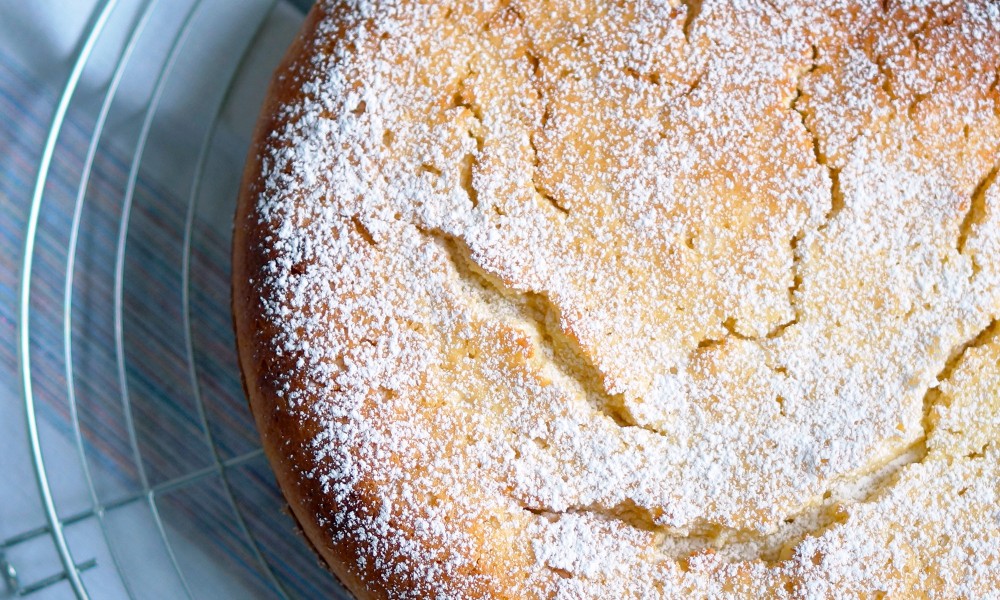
632 298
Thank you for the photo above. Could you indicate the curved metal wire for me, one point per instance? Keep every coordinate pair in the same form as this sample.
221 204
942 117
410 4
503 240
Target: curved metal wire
144 11
74 236
186 308
158 89
24 308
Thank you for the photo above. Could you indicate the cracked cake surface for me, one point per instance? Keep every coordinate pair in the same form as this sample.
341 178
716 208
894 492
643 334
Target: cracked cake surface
632 299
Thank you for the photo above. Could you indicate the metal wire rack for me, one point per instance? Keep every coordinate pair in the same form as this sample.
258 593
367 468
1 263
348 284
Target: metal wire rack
150 481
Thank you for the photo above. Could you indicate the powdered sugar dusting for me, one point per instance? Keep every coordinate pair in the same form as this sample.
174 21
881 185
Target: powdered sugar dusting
643 299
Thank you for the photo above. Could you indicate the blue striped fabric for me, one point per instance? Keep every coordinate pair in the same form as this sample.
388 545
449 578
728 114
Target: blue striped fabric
161 402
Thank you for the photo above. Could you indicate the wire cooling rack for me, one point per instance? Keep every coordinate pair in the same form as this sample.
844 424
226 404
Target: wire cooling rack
150 480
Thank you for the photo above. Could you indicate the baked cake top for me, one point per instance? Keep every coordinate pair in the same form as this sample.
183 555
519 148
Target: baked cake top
633 299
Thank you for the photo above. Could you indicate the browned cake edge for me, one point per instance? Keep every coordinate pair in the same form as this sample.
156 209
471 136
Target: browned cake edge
277 428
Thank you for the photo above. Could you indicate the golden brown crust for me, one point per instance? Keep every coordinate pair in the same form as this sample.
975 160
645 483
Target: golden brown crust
253 332
488 335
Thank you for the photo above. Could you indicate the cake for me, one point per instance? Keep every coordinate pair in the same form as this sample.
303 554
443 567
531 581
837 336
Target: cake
632 299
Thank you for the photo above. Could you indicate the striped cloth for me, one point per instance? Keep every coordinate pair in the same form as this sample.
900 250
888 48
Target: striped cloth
158 399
